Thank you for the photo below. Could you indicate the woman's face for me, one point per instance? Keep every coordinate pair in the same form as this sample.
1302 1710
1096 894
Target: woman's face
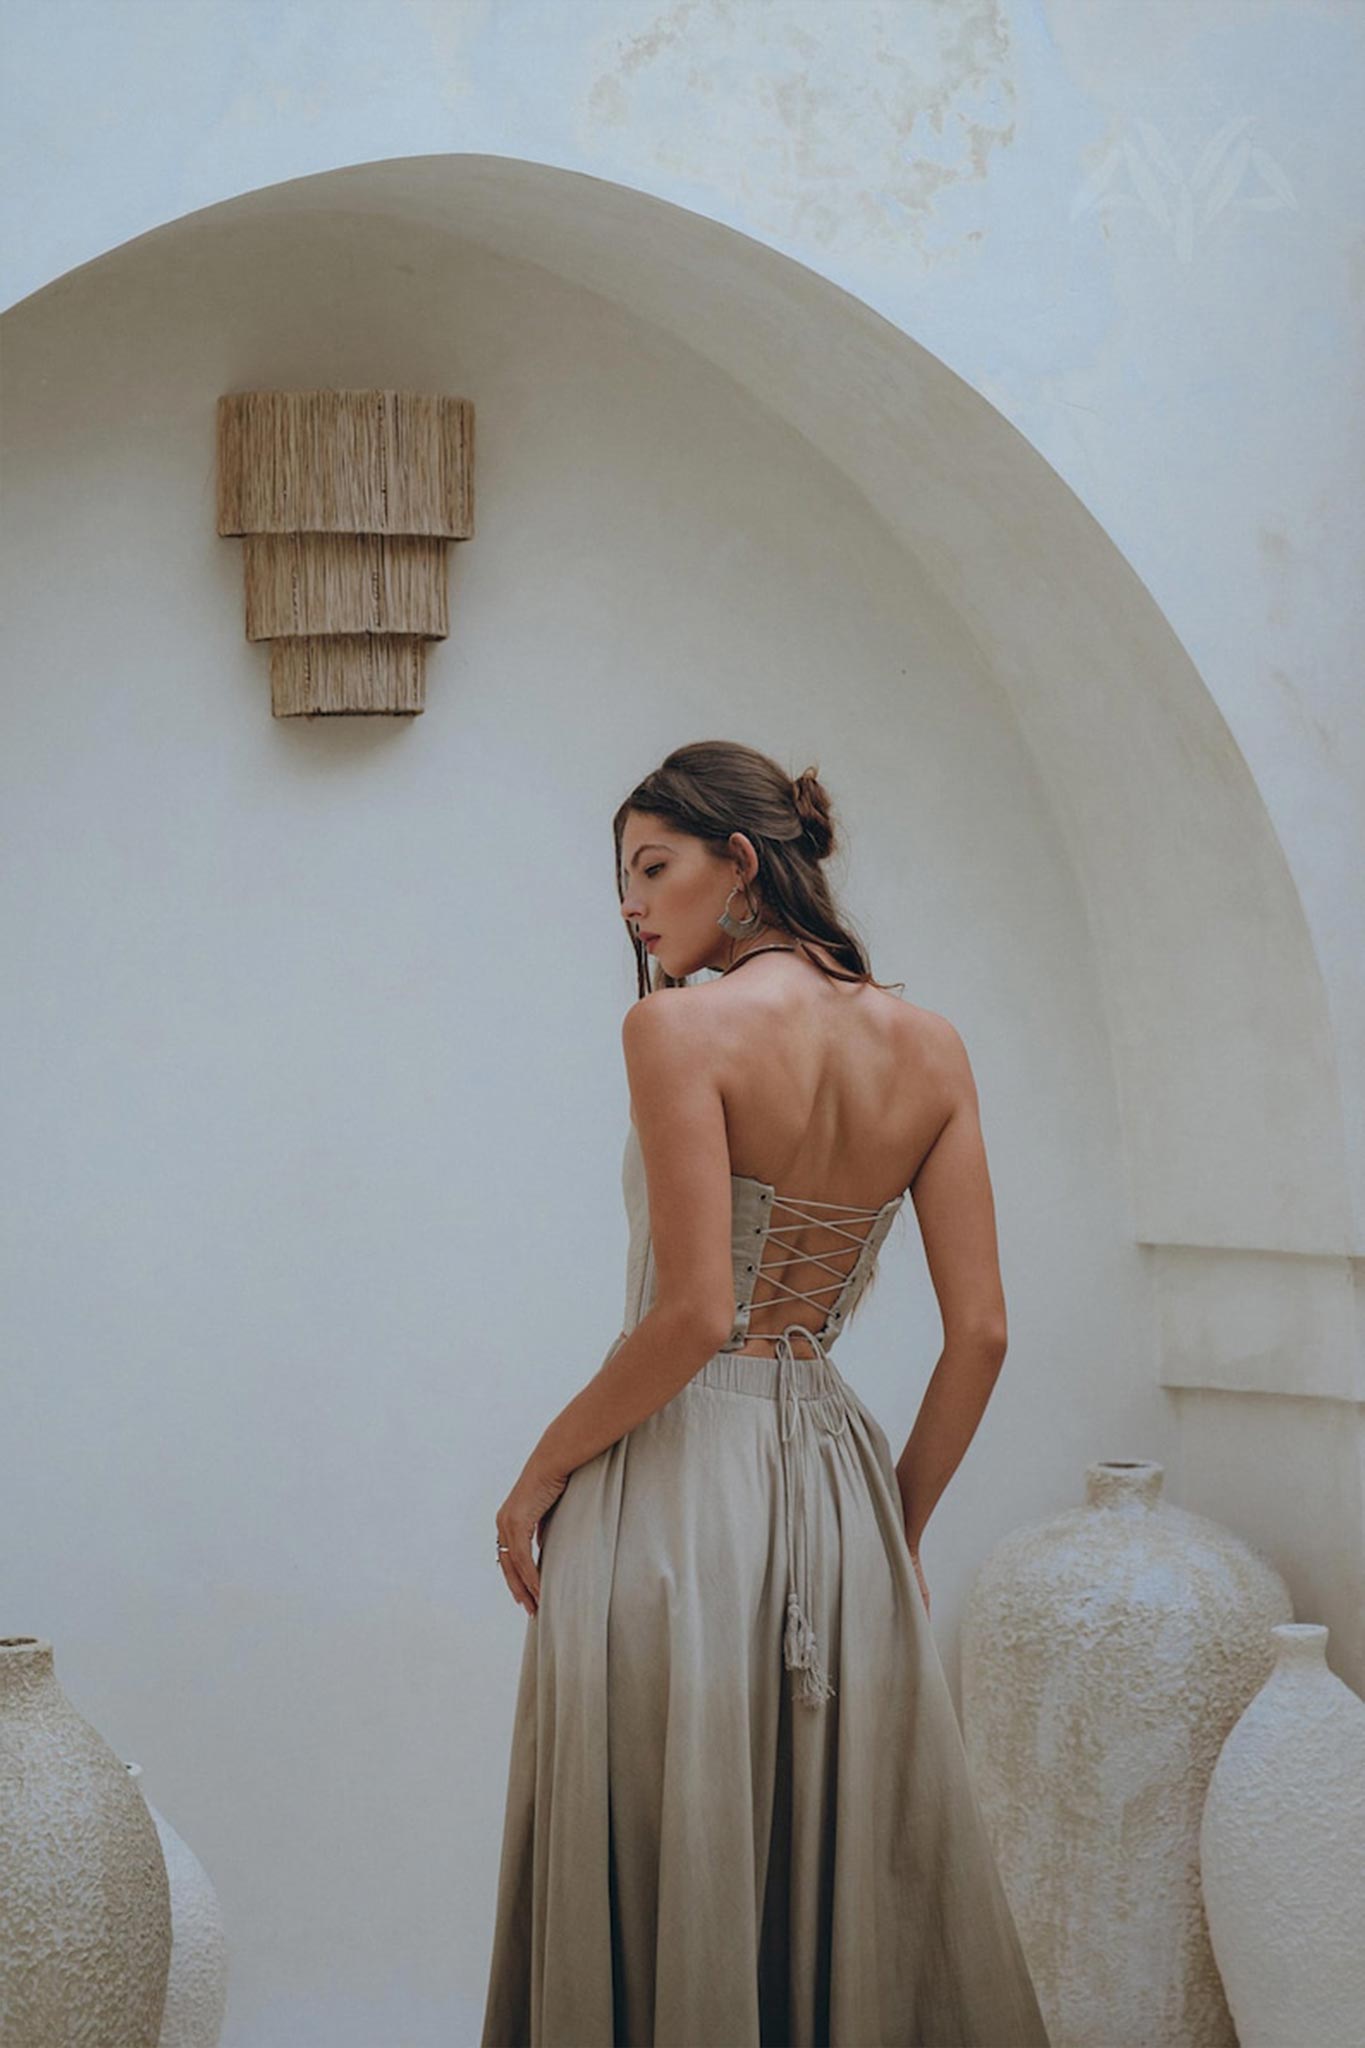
675 888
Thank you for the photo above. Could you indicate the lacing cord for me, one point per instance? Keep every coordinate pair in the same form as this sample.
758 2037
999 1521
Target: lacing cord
800 1648
828 1409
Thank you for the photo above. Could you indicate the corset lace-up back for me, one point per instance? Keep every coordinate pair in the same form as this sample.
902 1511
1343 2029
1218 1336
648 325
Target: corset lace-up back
837 1219
756 1233
825 1405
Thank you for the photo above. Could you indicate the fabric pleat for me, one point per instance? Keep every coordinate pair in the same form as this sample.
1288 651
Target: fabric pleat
695 1855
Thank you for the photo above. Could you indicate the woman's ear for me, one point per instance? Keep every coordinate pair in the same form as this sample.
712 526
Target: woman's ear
745 857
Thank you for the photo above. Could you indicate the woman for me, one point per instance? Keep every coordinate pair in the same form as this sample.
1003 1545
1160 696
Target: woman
738 1809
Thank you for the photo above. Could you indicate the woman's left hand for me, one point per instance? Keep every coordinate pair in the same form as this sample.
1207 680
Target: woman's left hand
523 1515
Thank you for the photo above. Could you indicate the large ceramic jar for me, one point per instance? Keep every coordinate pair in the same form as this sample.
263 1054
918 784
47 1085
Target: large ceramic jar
85 1905
1106 1652
1282 1854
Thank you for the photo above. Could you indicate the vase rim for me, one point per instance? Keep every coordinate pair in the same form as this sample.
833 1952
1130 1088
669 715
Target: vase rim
1124 1485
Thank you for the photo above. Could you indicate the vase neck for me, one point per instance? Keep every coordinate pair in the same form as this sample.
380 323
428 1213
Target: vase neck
25 1666
1131 1484
1300 1646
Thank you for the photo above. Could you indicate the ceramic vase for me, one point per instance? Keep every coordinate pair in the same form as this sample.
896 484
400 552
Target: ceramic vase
196 1989
1282 1854
1106 1652
85 1905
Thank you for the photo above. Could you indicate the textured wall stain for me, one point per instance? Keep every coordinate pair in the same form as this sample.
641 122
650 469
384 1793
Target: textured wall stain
1298 703
452 33
1282 568
828 124
1277 562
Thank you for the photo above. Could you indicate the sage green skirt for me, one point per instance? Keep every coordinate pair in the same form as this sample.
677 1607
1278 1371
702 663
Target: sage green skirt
696 1853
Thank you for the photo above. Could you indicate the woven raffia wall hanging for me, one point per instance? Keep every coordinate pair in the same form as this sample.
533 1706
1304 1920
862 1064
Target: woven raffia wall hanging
346 502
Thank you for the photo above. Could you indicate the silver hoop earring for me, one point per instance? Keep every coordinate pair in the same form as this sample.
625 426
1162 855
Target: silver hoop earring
740 927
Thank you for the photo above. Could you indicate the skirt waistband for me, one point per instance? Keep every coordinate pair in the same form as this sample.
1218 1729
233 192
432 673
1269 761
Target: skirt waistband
744 1372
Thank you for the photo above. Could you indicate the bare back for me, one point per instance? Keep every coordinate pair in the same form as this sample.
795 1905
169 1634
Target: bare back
834 1094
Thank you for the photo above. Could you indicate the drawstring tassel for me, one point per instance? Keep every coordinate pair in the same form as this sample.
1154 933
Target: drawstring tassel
801 1653
800 1650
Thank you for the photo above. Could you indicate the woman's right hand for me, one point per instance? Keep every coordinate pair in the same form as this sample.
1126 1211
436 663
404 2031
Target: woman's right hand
919 1574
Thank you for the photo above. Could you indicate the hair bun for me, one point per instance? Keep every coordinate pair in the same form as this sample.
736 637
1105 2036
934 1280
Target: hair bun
812 805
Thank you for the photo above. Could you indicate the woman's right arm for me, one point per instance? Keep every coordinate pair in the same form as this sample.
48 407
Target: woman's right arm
956 1210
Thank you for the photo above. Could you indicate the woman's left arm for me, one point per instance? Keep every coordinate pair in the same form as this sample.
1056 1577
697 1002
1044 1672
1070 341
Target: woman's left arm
680 1119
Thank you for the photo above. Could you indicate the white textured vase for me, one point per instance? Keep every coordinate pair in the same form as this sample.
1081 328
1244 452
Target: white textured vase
196 1990
1282 1854
85 1903
1106 1652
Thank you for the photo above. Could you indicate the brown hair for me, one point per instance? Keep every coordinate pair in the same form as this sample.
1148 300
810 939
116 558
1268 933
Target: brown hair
715 787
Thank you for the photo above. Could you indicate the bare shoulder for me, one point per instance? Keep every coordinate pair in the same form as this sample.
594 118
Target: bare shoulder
666 1018
934 1045
674 1078
941 1044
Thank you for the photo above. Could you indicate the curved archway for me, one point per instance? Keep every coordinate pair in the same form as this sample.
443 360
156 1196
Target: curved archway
1223 1050
1222 1058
